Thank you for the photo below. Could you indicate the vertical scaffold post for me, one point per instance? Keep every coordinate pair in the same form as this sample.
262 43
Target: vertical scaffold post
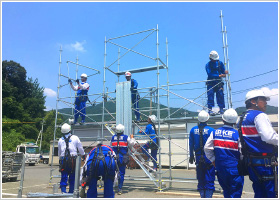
158 115
224 51
229 83
104 80
55 122
77 177
168 105
119 52
21 178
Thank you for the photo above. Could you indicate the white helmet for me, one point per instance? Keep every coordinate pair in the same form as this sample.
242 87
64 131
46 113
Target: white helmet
127 73
203 116
71 121
230 116
153 118
65 128
255 93
83 76
119 128
214 55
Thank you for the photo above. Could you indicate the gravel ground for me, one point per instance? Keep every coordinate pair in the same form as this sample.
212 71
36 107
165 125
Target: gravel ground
36 179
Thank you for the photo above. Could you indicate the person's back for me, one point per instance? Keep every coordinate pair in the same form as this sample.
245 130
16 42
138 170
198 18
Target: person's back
226 147
251 136
204 169
223 149
100 162
68 145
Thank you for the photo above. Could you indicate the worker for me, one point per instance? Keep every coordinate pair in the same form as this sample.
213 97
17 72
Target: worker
152 144
223 150
120 144
81 99
205 171
68 145
216 71
100 163
261 144
134 95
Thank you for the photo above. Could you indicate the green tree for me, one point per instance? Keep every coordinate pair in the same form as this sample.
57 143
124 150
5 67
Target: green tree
22 101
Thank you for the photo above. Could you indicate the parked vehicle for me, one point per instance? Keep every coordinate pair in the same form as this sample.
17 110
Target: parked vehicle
31 152
45 158
11 165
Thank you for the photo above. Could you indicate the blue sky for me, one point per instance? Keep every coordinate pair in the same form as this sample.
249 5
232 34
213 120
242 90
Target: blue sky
32 34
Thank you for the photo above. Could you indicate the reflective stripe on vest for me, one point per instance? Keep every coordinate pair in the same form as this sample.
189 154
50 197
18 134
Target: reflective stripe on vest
226 144
121 144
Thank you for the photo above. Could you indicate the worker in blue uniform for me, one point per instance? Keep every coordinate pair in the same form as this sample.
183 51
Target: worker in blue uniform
100 162
81 99
261 145
135 97
152 144
216 71
120 144
205 171
223 150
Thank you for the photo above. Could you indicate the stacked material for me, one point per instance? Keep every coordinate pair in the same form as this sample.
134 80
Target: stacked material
11 165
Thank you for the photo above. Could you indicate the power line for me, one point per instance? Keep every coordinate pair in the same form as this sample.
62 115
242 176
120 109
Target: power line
254 76
241 91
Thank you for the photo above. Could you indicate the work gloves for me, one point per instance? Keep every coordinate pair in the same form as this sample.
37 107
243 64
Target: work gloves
191 160
69 81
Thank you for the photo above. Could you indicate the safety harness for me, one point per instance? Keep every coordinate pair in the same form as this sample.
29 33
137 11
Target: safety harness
220 79
125 156
81 98
270 160
94 166
154 145
68 162
202 162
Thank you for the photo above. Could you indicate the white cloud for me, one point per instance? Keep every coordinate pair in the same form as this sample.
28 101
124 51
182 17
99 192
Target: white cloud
49 92
78 46
48 108
273 94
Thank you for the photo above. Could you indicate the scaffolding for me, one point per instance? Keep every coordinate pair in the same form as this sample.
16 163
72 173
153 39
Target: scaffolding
155 92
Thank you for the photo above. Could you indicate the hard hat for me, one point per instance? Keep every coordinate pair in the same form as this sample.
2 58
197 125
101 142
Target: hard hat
71 121
127 74
255 93
203 116
230 116
119 128
83 75
153 118
65 128
214 55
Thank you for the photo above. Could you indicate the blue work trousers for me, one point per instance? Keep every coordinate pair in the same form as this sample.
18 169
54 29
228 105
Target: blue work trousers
205 176
262 189
135 101
108 188
153 154
121 175
219 90
231 182
80 109
64 179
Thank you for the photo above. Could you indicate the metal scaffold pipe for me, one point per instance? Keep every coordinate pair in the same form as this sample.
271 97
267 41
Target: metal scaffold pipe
225 56
57 100
228 81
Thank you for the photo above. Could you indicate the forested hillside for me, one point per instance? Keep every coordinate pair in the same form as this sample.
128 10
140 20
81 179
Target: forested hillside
23 104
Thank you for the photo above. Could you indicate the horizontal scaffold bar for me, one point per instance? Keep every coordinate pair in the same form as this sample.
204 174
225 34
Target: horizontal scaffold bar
144 69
